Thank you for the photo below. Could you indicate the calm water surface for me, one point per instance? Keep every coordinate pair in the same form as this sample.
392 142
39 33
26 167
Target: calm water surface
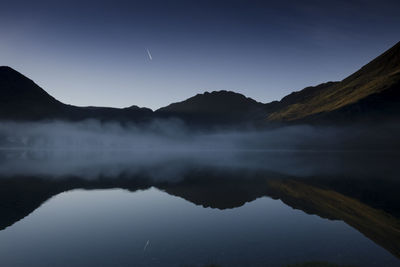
250 210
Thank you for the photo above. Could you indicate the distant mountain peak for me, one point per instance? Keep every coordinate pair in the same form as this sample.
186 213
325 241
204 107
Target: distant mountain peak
216 107
221 92
213 102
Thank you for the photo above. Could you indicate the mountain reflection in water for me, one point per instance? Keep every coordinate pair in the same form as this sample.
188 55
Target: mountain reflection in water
360 189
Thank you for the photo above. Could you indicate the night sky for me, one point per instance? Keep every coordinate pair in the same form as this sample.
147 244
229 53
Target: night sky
96 52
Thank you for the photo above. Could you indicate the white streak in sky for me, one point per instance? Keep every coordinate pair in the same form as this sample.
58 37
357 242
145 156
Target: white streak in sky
148 53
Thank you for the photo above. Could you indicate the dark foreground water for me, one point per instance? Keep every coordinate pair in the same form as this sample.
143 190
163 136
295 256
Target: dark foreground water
248 208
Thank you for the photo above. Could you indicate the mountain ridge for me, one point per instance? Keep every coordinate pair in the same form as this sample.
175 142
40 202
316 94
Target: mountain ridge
371 93
23 100
215 107
379 75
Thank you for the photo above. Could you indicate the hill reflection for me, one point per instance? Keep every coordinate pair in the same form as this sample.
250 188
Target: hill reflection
367 203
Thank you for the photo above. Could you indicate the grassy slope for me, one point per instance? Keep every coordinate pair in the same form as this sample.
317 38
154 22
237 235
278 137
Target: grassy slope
377 76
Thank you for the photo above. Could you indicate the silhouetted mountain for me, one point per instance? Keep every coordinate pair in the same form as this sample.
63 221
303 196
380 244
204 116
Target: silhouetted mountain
372 93
216 107
22 99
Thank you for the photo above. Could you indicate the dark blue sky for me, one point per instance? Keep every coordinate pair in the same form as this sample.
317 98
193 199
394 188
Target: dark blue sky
94 52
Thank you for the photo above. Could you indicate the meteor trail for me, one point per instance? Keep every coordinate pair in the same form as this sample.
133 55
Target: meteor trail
148 53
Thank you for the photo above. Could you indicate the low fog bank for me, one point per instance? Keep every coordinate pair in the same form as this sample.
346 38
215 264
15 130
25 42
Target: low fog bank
167 149
175 135
174 165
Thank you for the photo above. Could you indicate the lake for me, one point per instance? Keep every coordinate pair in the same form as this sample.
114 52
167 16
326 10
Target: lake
197 208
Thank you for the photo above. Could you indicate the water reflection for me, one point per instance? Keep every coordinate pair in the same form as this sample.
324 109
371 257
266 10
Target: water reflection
348 187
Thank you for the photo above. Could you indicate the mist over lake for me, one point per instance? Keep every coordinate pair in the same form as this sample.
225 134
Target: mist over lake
161 193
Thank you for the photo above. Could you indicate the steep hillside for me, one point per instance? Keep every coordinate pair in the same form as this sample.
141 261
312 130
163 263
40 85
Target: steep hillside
22 99
365 91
